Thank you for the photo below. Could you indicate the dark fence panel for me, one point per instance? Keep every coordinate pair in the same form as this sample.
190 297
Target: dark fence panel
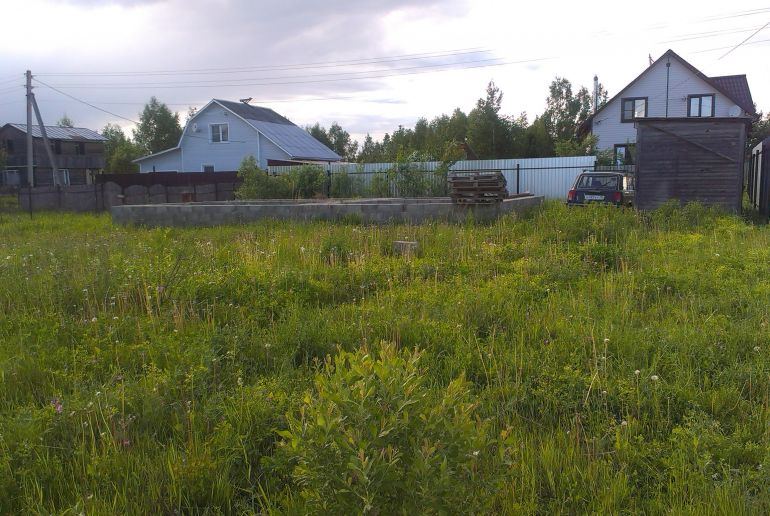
168 178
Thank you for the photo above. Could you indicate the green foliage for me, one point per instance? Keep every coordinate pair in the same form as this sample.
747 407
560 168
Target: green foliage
307 182
760 130
119 151
337 139
489 134
257 184
409 178
65 121
374 438
158 128
607 361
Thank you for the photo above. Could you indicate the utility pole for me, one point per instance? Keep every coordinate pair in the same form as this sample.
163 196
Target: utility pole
30 158
32 104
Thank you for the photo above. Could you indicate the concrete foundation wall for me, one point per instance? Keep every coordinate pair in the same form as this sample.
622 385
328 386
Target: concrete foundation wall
377 211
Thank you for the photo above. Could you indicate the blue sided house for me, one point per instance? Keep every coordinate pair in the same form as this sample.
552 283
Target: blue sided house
222 133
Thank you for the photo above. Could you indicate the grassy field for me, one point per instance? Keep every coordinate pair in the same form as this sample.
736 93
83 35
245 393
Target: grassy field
569 361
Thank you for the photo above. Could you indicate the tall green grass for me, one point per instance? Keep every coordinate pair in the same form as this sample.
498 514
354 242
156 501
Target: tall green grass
570 361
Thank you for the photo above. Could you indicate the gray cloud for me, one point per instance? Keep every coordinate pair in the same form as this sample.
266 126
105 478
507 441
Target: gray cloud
197 34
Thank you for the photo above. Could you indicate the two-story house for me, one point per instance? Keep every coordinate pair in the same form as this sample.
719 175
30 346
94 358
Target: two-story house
669 88
79 153
222 133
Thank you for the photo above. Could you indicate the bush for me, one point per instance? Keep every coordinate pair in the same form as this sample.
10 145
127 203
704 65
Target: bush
342 185
374 438
379 186
257 184
307 182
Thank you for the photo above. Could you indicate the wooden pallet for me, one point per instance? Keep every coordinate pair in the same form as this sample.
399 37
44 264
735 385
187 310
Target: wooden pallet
477 188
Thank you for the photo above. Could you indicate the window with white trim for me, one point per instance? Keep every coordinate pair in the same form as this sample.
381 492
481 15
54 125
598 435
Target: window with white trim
207 168
219 133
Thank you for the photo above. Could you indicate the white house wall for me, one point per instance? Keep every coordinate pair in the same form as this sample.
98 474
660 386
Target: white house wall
682 82
270 151
244 140
166 162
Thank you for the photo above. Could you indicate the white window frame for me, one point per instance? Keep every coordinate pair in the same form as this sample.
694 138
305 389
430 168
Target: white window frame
204 165
219 125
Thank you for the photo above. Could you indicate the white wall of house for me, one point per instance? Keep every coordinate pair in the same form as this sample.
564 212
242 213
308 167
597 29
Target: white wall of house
682 82
167 162
198 149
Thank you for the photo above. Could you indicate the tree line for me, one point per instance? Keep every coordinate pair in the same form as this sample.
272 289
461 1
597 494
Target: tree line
482 133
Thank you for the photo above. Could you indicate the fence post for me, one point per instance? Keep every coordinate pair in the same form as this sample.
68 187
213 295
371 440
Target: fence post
328 182
518 179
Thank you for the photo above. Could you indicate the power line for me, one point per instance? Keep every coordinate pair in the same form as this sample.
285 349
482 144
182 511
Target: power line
377 75
744 41
86 103
280 77
757 42
708 34
299 66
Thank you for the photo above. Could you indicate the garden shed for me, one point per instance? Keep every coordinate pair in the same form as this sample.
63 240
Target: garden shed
690 159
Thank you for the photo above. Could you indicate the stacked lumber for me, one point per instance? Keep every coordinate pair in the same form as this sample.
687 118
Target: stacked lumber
477 188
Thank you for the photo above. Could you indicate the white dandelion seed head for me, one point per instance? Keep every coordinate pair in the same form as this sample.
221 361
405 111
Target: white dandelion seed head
654 378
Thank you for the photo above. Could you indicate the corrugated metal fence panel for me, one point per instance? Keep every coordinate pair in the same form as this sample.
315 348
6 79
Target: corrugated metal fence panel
553 177
550 177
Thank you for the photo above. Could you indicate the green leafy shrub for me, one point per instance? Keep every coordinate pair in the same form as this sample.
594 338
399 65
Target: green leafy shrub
379 186
307 182
342 185
257 184
374 438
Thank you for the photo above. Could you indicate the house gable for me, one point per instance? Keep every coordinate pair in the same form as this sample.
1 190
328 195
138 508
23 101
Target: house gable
666 85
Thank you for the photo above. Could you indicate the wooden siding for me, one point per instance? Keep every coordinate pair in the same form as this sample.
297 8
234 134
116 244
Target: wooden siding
690 160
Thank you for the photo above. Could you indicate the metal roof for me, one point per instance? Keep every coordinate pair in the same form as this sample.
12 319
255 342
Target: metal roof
297 142
737 88
63 133
249 112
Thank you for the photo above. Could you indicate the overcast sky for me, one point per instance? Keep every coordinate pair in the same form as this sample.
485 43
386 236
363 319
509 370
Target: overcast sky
370 65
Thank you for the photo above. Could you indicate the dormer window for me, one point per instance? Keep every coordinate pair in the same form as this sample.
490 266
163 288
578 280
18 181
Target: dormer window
633 108
219 133
700 105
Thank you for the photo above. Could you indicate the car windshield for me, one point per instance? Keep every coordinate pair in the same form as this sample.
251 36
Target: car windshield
600 182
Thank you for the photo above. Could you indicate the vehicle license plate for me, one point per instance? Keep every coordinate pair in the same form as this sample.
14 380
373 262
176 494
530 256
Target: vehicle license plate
594 197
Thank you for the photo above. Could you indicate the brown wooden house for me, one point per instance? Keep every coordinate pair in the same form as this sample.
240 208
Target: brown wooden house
78 152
